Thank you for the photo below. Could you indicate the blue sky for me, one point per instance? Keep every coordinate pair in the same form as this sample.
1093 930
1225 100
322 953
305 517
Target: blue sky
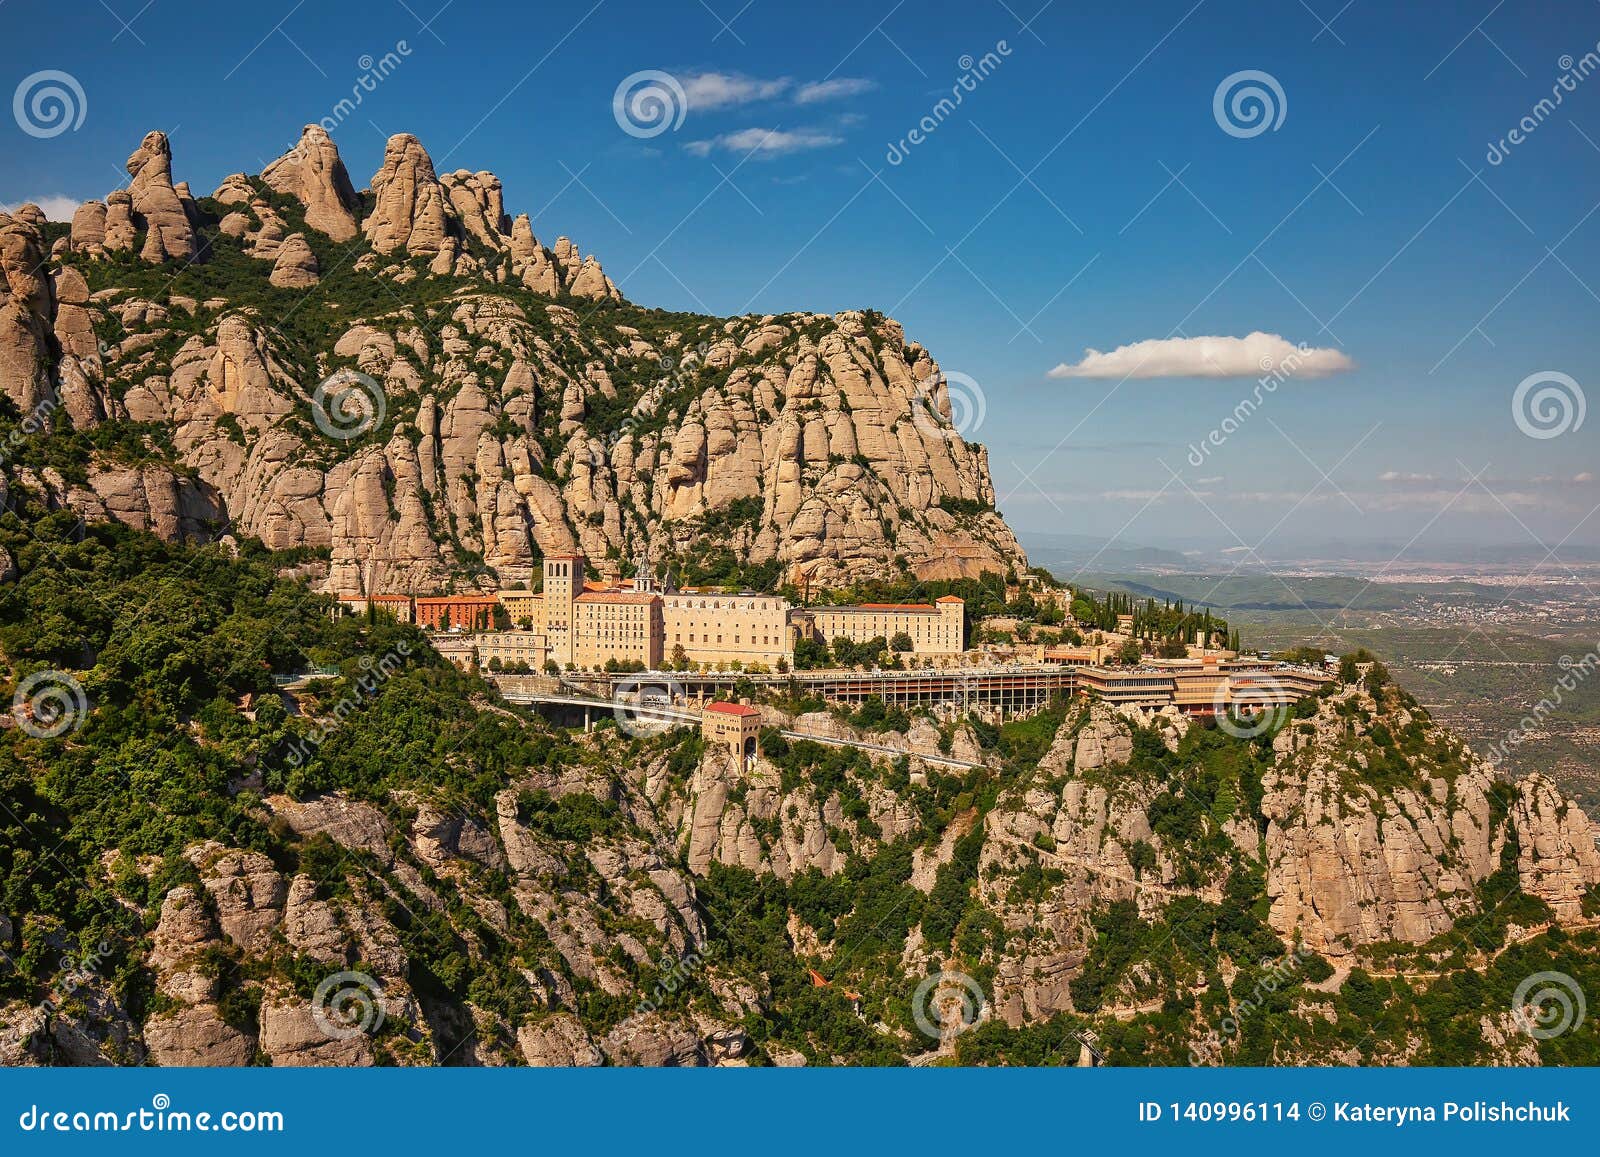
1082 195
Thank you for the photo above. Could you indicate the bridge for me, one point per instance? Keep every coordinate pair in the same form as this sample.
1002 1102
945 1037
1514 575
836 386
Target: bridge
642 705
1013 690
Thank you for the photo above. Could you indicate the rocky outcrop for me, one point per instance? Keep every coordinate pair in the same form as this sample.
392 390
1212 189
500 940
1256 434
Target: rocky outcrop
456 218
313 174
820 431
235 189
479 205
1104 740
89 228
192 1031
477 391
409 204
654 1041
295 266
558 1040
1347 865
1557 857
27 307
157 208
743 817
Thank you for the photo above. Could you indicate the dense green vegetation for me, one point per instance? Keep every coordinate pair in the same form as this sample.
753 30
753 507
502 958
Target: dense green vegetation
175 649
179 651
1169 624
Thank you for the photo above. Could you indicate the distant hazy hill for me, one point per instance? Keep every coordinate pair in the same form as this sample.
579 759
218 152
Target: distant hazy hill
1270 593
1065 554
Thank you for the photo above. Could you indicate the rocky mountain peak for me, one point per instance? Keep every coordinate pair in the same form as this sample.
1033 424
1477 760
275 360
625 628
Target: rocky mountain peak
513 425
313 174
409 203
156 206
26 306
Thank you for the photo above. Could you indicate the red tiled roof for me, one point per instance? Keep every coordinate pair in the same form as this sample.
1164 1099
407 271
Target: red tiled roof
731 709
950 599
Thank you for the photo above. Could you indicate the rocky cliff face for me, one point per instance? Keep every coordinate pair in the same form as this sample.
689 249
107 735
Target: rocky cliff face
588 920
513 404
591 900
1349 861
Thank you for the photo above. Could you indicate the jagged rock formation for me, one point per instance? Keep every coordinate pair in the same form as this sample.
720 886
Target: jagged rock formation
408 210
1346 865
515 426
244 908
157 208
27 311
313 174
166 214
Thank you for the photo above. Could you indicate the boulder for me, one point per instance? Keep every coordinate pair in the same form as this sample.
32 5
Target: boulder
296 265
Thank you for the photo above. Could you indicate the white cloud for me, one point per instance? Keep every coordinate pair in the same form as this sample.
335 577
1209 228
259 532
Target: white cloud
709 90
57 206
836 89
765 143
704 91
1492 482
1250 356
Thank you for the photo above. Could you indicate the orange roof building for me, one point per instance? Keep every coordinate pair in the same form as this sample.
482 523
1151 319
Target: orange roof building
733 727
465 612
